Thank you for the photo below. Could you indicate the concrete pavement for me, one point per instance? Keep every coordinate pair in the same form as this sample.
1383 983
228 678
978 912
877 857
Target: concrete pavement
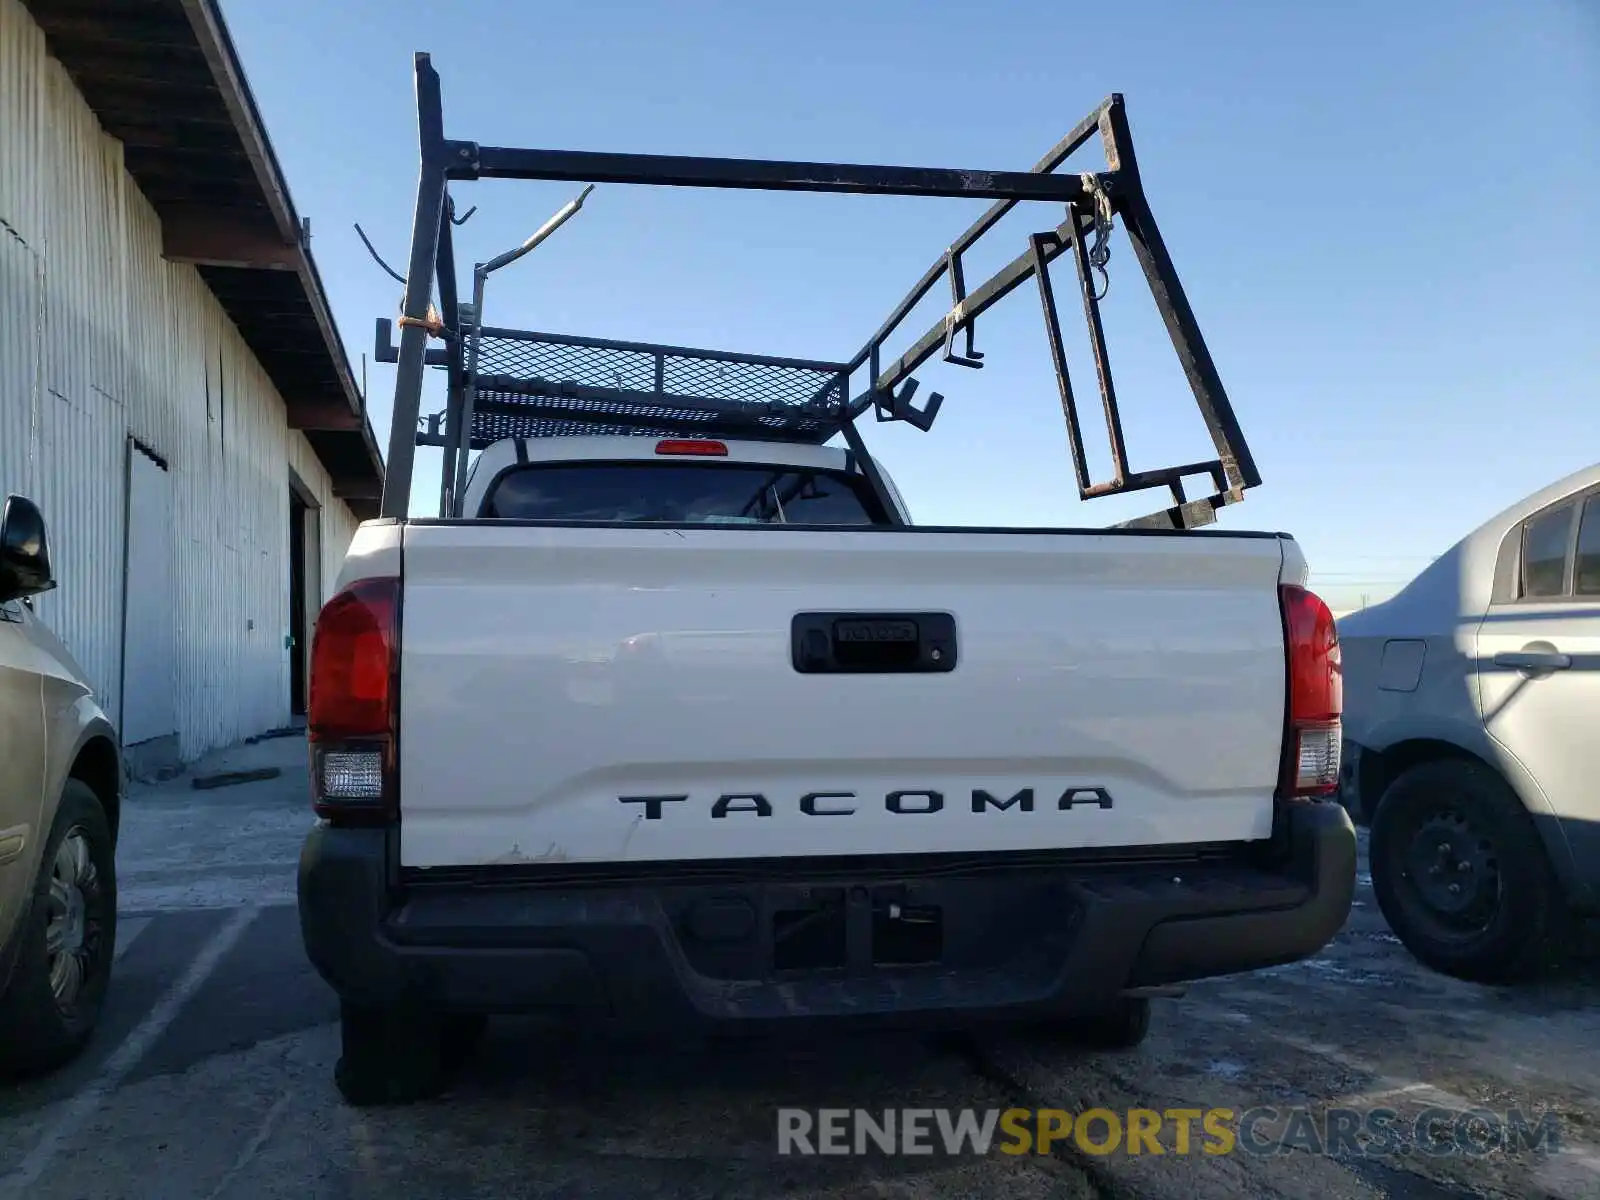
211 1075
181 848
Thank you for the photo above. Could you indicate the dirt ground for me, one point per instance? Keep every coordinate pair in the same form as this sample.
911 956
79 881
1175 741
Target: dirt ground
212 1074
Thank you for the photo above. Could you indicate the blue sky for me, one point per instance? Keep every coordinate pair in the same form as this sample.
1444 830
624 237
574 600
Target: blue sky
1385 216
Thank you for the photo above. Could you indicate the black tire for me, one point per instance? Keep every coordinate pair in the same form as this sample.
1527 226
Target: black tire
1123 1026
1462 877
463 1033
40 1031
393 1056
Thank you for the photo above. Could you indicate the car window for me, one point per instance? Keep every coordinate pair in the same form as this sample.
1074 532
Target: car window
681 493
1544 552
1587 575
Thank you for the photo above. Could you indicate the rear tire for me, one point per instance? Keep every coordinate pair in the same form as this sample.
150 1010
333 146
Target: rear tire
1123 1026
463 1033
67 942
1462 877
392 1056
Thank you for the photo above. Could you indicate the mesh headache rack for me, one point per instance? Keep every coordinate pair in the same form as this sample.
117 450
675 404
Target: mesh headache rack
509 383
545 385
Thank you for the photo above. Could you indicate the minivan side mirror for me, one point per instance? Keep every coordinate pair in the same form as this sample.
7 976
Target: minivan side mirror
24 551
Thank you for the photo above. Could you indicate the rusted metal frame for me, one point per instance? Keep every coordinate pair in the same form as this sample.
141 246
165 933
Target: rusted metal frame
1128 201
1233 470
662 349
1002 283
1040 246
862 458
427 223
456 434
517 385
471 345
1058 154
385 351
1190 514
1122 479
469 160
638 422
1102 361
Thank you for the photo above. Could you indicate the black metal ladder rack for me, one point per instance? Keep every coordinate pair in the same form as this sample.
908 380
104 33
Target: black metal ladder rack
516 383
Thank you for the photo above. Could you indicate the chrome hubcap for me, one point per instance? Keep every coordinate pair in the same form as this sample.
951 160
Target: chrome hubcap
71 932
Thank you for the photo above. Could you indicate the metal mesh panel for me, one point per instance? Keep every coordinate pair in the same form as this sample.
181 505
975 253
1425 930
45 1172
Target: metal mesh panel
530 385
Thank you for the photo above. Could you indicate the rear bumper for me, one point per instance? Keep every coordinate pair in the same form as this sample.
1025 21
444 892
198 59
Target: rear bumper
1004 942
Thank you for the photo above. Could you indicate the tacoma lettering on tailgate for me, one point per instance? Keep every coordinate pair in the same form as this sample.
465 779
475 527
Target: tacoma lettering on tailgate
906 802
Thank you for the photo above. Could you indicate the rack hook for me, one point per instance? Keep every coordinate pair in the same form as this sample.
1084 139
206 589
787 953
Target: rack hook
897 406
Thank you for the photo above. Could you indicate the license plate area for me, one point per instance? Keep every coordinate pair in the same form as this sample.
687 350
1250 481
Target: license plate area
817 935
783 931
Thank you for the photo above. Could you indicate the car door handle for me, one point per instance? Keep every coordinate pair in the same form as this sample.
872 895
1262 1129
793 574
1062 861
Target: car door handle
1533 660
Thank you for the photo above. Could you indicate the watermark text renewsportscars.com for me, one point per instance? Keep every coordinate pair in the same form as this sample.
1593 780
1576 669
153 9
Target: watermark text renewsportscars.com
1340 1132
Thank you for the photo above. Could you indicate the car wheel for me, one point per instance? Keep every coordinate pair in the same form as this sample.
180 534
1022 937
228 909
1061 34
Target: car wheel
1121 1027
463 1034
68 941
397 1056
1461 876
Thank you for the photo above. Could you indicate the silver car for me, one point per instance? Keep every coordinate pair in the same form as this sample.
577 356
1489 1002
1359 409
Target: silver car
1471 709
60 797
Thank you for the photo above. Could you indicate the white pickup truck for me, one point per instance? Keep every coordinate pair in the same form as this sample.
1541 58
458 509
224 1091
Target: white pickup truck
683 732
673 717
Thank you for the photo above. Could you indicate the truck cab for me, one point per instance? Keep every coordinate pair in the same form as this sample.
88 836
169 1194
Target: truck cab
693 480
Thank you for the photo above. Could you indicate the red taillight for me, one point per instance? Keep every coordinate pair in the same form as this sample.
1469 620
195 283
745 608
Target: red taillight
692 446
354 698
353 662
1313 730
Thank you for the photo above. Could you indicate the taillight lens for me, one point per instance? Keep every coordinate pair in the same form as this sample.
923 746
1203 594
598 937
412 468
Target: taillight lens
1313 729
355 680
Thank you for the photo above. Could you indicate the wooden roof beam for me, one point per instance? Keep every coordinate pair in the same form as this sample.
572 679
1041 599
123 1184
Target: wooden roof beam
220 237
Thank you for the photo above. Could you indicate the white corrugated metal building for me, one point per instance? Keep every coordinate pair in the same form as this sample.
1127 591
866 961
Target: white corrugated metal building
173 391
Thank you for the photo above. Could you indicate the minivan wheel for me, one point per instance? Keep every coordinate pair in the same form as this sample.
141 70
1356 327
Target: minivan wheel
1461 876
67 942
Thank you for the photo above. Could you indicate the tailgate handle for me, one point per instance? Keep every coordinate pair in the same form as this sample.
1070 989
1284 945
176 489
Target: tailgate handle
846 643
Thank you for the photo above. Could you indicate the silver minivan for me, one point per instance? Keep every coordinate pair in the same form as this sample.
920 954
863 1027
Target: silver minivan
60 798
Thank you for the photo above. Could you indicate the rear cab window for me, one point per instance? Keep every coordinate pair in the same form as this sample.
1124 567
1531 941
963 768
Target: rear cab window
680 493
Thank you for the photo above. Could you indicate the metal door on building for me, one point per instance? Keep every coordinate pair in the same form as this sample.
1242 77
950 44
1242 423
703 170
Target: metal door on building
149 639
